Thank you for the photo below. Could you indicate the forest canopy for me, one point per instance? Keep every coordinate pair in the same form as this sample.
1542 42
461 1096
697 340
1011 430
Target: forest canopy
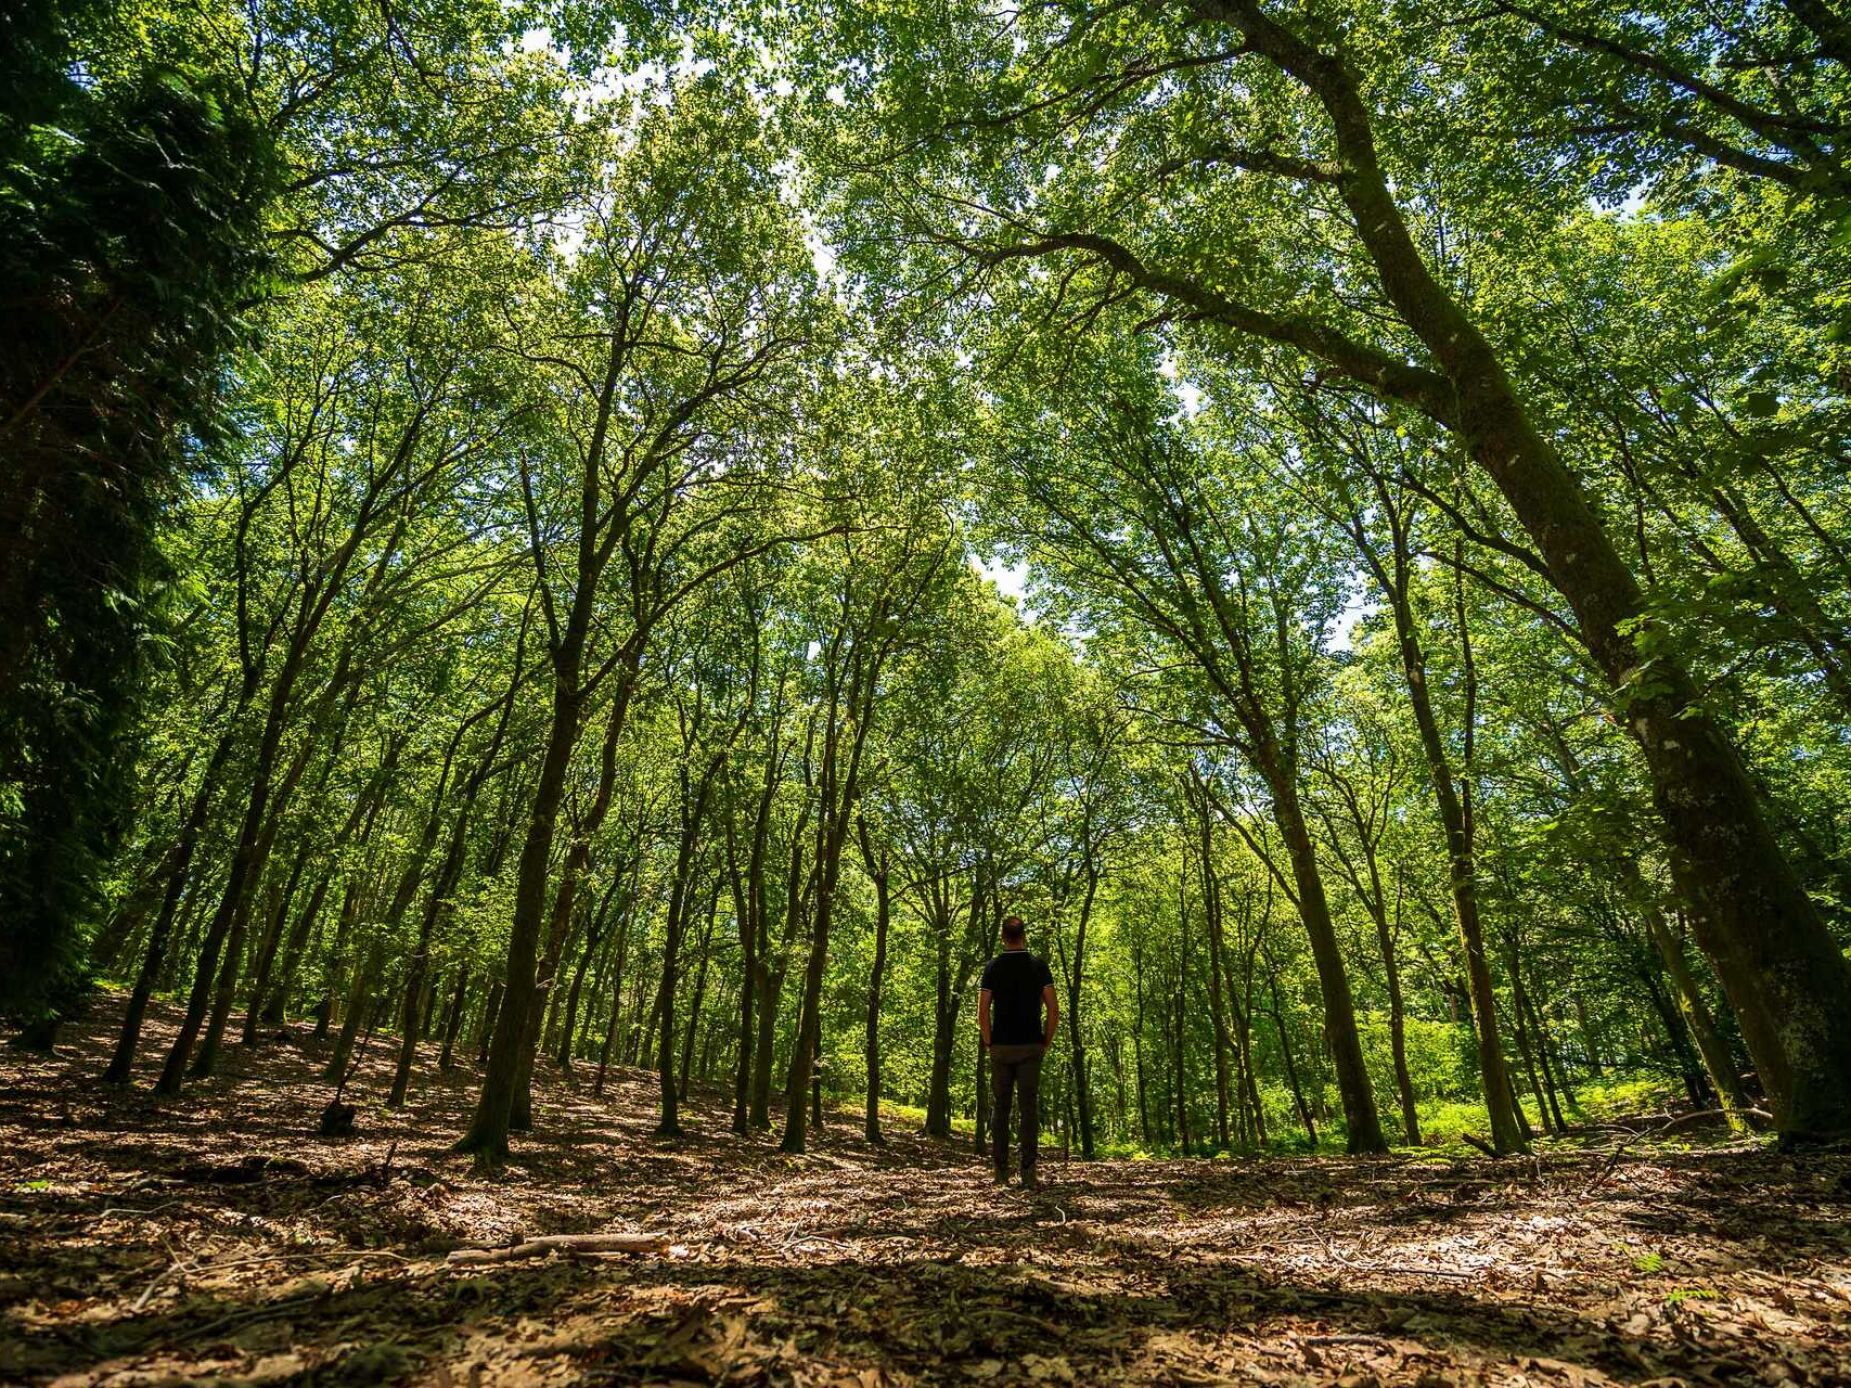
593 535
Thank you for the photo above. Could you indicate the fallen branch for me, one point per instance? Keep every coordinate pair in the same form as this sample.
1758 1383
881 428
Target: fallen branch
1686 1120
560 1243
1479 1143
817 1238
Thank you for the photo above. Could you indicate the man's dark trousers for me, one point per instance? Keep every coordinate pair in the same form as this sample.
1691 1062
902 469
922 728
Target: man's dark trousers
1016 1069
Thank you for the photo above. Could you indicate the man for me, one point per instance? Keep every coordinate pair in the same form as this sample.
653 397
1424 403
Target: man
1016 986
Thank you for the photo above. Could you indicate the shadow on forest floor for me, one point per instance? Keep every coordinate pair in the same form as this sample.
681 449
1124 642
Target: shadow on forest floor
215 1236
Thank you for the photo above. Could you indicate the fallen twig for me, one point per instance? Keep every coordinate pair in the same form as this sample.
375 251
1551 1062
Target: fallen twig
109 1210
560 1243
817 1238
1684 1120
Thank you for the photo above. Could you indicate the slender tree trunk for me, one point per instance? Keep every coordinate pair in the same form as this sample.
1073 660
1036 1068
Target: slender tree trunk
273 1009
1363 1126
670 1121
272 812
594 937
771 978
747 901
1394 578
944 1022
268 950
1397 1031
487 1136
1551 1085
491 1010
1211 909
1137 1045
1525 1047
1076 1037
809 1019
1180 1066
453 1023
359 1003
617 985
700 991
1291 1066
883 910
1718 1064
205 1062
179 859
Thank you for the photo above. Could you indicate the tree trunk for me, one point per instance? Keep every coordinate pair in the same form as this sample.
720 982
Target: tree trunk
1524 1046
1211 910
944 1021
269 809
670 1124
747 901
1394 578
491 1010
1718 1064
1363 1126
487 1136
1076 1038
179 859
1291 1067
272 1010
269 948
883 910
453 1023
700 991
617 984
359 1003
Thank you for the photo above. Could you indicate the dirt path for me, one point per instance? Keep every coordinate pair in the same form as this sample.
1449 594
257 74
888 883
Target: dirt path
160 1243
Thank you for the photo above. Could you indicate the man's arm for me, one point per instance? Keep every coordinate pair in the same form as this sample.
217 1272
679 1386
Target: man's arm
1050 1000
983 1017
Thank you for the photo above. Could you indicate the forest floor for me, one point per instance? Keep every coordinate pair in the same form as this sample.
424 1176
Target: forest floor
217 1237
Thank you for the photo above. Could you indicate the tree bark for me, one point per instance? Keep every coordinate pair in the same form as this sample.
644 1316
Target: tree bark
1718 1064
877 866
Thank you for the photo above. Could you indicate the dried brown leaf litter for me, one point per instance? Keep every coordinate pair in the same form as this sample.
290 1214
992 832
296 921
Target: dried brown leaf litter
217 1237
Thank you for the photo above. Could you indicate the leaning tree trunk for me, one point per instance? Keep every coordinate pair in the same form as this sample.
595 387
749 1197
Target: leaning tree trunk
746 902
176 864
1397 1027
1076 1039
1718 1064
359 1004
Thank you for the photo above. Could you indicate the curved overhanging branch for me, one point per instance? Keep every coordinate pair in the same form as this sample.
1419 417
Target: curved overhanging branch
1382 373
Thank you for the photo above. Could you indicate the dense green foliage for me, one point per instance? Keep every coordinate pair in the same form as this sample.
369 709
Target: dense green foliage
130 206
1412 446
